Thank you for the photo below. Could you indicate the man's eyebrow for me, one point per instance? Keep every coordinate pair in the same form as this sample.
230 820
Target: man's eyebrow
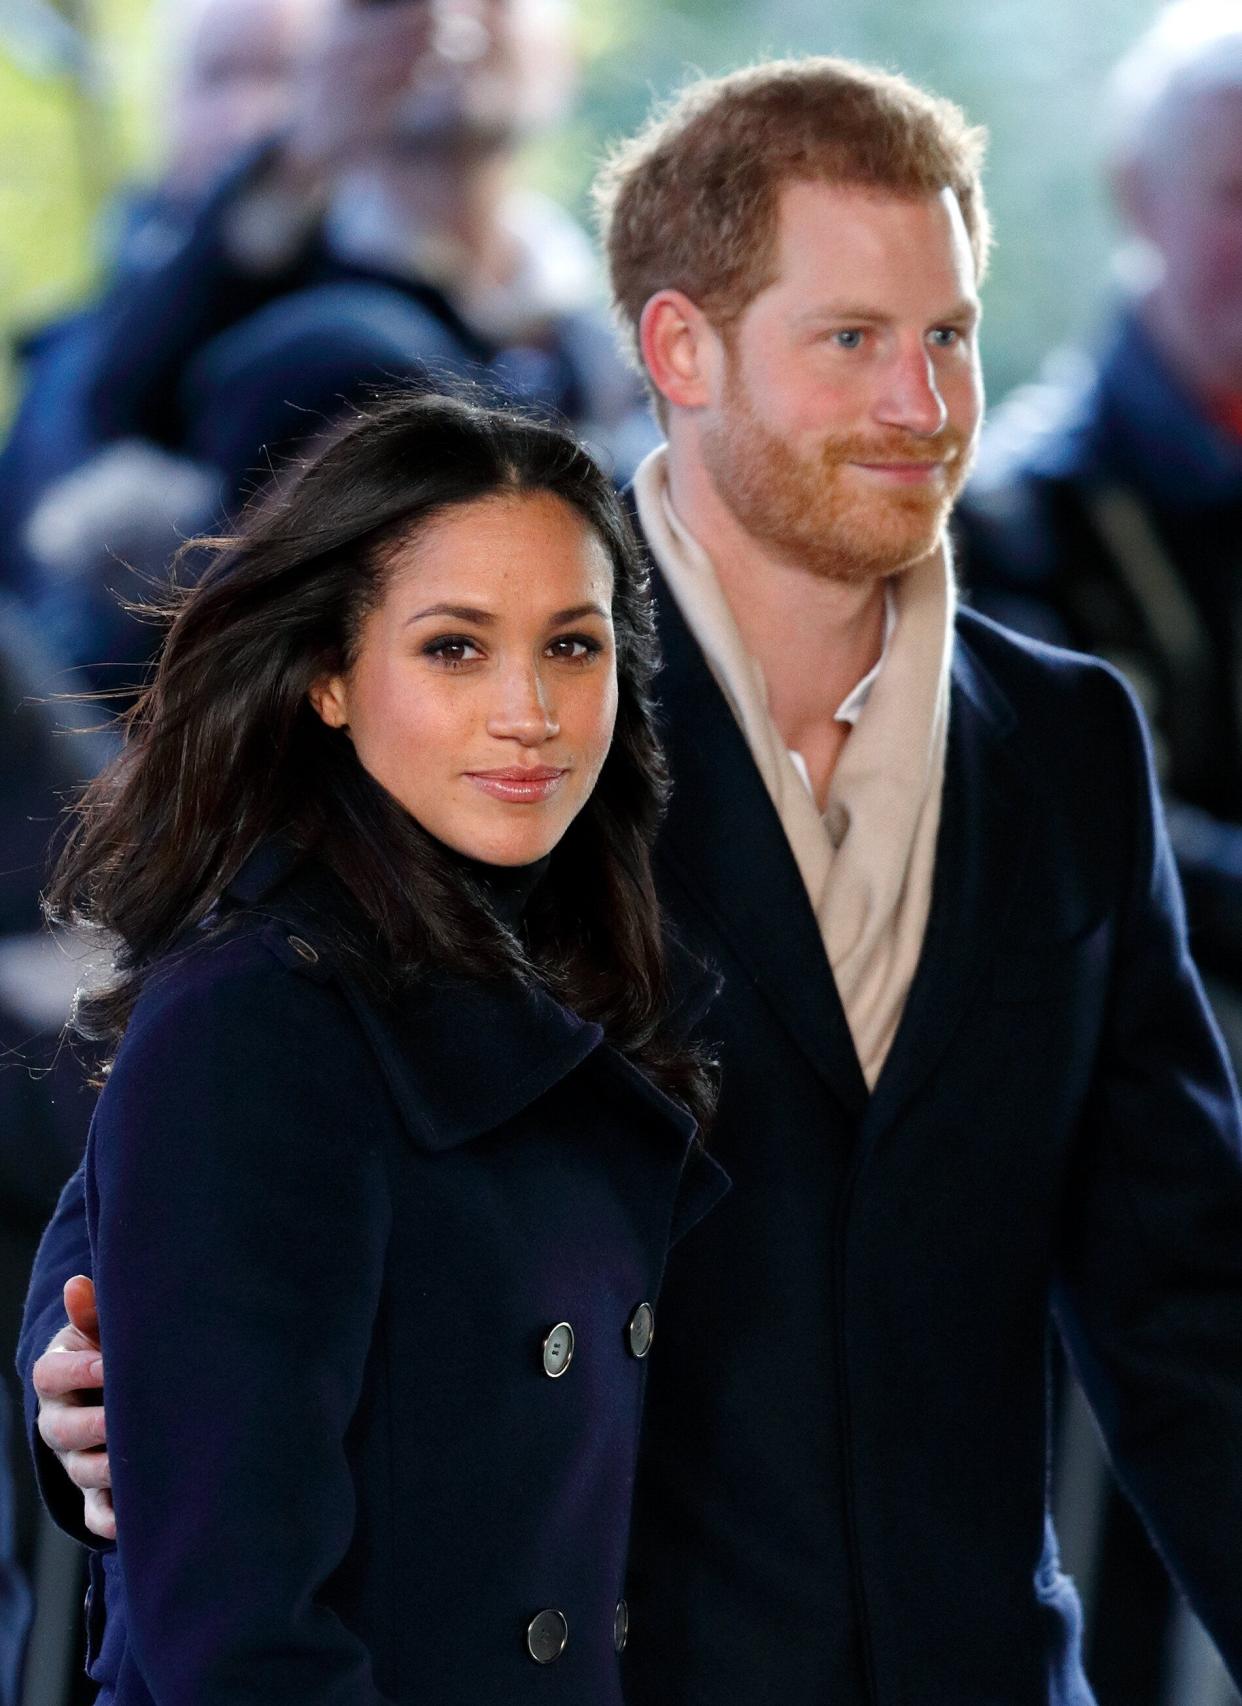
963 310
856 313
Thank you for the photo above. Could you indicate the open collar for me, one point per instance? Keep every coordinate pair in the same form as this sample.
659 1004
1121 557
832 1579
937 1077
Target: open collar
724 847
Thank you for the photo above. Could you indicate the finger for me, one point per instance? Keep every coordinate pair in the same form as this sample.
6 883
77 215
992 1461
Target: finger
71 1427
58 1373
88 1469
98 1514
80 1307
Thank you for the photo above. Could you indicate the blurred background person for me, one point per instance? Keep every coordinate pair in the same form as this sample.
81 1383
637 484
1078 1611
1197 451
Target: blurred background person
382 234
229 68
1106 515
14 1585
1106 511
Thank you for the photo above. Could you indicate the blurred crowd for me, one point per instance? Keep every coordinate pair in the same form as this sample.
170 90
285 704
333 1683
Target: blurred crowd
342 209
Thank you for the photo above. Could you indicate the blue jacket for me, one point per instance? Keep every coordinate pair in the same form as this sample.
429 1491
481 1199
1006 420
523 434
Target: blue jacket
372 1219
1106 514
843 1487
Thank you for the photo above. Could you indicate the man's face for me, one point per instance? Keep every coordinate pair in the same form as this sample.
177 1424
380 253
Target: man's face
848 396
234 82
449 74
1190 210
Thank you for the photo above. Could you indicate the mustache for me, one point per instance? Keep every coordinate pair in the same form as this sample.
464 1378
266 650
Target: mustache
896 448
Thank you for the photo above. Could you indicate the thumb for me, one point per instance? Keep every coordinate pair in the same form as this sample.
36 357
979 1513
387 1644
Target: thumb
80 1307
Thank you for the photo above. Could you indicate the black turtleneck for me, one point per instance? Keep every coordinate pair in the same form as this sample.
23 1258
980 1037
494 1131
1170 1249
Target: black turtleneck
506 888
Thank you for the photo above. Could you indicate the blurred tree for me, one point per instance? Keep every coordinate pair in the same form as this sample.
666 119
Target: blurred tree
72 126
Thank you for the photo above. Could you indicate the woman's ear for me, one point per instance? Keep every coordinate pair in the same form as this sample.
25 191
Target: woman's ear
329 698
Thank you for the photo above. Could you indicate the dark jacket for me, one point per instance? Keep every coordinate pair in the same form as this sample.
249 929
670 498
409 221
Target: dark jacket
1106 514
371 1217
14 1588
845 1460
844 1483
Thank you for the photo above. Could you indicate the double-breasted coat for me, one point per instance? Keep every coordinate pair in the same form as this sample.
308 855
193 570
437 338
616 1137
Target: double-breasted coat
377 1285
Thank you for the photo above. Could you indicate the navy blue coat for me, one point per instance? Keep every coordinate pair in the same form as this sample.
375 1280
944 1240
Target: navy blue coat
844 1471
303 1203
844 1483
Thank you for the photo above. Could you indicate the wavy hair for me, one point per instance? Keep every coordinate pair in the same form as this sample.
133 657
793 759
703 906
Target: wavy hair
223 749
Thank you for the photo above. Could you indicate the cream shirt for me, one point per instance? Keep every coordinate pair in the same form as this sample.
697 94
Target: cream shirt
868 861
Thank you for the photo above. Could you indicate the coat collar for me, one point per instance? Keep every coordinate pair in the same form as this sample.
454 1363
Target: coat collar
724 847
980 854
460 1056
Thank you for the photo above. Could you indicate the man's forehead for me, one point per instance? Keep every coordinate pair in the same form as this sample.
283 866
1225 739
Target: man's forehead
830 201
834 228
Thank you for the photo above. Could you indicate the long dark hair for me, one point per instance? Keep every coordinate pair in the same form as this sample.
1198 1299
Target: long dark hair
223 749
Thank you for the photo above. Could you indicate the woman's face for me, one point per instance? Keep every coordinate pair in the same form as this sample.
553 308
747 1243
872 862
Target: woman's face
484 690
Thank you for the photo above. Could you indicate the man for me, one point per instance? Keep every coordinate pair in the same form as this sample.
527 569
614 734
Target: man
968 1079
1107 513
229 74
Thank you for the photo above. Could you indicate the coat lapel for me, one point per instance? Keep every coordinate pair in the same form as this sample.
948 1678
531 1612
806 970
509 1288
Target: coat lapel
723 845
461 1055
980 851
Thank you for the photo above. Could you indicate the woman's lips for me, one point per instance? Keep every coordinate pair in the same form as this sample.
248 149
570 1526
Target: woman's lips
521 787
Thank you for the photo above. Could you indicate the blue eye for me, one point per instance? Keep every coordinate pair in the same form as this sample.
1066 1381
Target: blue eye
850 337
944 337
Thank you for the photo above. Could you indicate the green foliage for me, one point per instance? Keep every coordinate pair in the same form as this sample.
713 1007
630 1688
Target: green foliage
68 135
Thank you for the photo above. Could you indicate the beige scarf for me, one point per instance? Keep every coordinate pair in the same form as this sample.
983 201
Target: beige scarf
867 862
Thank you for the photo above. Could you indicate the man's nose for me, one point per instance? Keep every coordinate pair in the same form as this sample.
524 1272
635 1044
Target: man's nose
524 708
911 396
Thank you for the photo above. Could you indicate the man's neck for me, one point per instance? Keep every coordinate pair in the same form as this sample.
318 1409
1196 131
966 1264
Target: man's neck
814 638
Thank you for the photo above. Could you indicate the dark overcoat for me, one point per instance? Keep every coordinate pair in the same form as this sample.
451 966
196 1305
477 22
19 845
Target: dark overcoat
845 1462
376 1287
845 1472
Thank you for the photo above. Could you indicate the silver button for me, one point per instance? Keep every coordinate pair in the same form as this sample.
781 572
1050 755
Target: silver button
621 1626
546 1637
304 950
558 1350
641 1330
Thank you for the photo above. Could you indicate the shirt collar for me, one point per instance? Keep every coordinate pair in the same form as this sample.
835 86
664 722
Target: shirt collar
855 701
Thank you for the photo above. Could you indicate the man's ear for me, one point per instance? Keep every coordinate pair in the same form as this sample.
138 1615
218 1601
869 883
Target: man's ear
329 698
680 349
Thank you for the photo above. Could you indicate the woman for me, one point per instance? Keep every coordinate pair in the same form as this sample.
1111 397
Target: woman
400 1125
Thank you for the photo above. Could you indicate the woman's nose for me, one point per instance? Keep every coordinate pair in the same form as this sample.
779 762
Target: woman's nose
523 709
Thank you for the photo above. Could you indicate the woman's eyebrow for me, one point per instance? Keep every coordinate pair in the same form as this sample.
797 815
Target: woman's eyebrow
484 618
459 612
577 612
